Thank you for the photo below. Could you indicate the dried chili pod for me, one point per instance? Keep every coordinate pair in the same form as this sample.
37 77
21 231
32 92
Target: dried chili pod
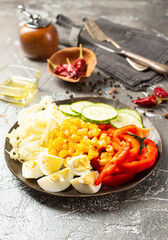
146 102
160 92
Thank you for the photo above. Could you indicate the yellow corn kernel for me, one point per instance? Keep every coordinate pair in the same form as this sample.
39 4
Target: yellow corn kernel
95 132
63 153
94 141
109 148
91 154
92 126
108 140
71 151
103 161
82 131
79 152
102 143
84 125
90 134
73 129
54 133
65 146
104 155
65 126
103 136
76 122
53 152
72 144
66 133
60 140
75 138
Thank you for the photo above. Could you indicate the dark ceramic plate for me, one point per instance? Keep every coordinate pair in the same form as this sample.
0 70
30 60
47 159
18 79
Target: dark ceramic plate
16 167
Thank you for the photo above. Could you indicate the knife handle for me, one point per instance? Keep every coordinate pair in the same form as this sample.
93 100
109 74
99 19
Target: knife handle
158 67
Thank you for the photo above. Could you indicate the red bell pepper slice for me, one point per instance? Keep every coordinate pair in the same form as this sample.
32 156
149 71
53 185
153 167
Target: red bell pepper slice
140 132
118 179
120 156
105 126
135 146
145 160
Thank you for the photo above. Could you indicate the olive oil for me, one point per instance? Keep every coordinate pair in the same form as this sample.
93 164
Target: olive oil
19 89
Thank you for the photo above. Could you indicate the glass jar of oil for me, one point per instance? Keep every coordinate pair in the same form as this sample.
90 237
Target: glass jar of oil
18 84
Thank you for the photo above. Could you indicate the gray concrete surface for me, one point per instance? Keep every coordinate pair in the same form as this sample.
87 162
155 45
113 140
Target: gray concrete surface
139 213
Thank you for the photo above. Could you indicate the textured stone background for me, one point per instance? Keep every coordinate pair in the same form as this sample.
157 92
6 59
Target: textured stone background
139 213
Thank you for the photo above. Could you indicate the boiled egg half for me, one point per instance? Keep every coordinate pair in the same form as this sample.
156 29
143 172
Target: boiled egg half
56 182
49 163
31 169
85 183
79 165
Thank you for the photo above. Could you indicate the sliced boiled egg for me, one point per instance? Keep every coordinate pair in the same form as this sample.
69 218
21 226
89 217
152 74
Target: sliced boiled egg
56 182
79 165
49 163
85 183
31 169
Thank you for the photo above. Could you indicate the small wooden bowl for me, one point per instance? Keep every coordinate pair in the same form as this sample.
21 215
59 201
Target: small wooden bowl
73 53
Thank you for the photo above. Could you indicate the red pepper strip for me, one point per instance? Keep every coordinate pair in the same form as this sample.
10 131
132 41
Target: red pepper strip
118 179
105 126
120 156
144 161
95 163
116 146
160 92
135 146
146 102
140 132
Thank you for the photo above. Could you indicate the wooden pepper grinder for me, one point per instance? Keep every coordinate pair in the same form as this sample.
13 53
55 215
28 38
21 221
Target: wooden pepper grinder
38 37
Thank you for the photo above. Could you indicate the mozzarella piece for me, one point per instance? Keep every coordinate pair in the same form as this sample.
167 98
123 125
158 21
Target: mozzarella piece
56 182
31 169
85 184
79 165
49 163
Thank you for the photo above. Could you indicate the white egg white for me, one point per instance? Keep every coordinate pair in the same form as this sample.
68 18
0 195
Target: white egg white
77 172
31 169
81 187
56 182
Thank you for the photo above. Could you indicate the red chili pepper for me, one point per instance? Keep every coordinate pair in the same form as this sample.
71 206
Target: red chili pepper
80 64
144 161
118 179
71 70
146 102
120 156
160 92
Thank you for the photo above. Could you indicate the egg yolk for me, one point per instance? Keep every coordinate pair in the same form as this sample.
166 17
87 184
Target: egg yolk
55 177
64 173
89 179
82 163
30 165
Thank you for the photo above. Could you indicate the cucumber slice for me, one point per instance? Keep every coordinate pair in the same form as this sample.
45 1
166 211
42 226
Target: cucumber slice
104 105
66 109
98 113
132 112
124 119
78 106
